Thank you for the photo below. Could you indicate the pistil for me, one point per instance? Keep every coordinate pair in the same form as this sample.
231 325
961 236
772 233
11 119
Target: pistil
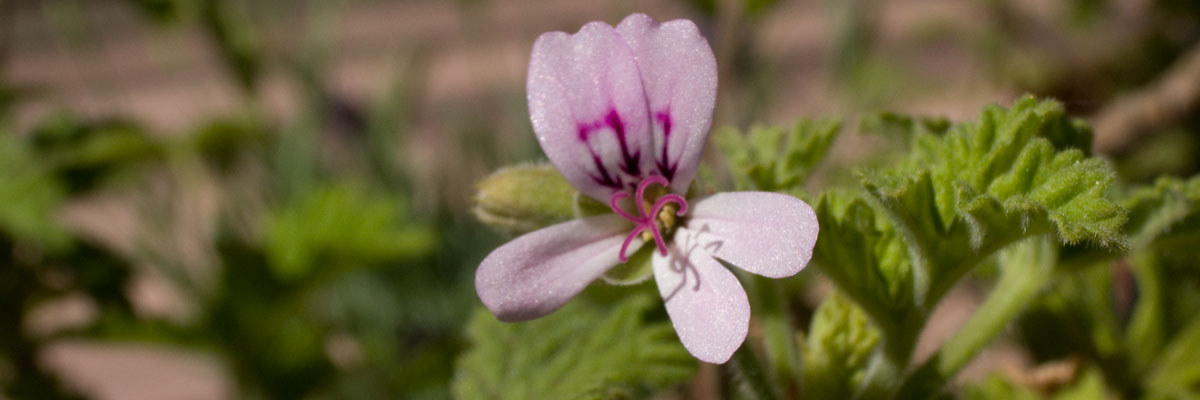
664 210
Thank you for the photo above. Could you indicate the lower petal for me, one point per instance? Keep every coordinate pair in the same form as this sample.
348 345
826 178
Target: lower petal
706 303
537 273
769 234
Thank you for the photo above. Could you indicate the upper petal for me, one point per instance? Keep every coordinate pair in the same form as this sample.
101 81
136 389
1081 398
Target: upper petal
769 234
537 273
679 72
588 108
706 303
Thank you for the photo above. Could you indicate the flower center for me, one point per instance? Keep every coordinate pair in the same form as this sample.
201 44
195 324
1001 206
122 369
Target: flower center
663 211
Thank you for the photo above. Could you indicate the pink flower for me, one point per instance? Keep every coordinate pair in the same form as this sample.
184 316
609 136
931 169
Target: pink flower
624 113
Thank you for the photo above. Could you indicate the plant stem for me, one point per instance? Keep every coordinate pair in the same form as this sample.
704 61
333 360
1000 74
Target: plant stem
779 343
1025 269
891 360
745 378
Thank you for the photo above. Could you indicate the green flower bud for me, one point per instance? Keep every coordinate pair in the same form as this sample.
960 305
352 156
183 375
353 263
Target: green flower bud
525 197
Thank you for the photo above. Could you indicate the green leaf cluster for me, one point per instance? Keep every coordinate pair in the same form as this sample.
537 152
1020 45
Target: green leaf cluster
588 349
1145 345
963 193
839 344
773 158
341 224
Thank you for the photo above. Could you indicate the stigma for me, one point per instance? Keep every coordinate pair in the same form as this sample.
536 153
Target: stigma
657 215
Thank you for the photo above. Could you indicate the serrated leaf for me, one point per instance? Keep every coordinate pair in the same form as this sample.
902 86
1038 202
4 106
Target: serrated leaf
1164 224
861 252
584 350
839 343
1165 214
775 159
1014 173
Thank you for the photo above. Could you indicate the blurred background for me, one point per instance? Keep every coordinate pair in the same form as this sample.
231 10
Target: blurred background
204 199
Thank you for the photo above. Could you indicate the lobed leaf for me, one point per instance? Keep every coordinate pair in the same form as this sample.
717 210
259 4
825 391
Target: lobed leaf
1016 172
585 350
860 251
775 159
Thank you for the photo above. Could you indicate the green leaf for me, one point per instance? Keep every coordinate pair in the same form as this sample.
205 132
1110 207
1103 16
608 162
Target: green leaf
29 196
774 159
85 154
341 226
902 128
1014 173
1166 214
840 342
584 350
1086 387
860 251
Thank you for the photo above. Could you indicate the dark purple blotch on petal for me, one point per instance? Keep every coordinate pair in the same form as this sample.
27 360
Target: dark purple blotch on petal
630 166
629 160
665 167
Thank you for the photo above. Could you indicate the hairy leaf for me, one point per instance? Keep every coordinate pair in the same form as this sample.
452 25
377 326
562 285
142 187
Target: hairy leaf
775 159
839 344
584 350
1016 172
860 251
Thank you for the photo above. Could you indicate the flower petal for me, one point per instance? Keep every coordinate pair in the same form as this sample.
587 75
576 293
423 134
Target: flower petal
588 108
679 72
537 273
706 303
769 234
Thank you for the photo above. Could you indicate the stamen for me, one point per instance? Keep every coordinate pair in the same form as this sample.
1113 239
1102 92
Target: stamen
646 221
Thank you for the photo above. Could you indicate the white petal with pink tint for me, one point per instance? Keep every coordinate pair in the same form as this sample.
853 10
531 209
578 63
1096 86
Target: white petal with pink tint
705 301
679 73
769 234
588 108
537 273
